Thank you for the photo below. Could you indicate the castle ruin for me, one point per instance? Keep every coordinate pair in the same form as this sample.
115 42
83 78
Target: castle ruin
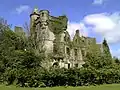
50 34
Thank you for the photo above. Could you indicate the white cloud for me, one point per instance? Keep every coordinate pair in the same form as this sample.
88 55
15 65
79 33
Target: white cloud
107 25
73 26
22 8
98 2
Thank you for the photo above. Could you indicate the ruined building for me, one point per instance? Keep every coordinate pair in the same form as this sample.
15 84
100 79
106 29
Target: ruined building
49 34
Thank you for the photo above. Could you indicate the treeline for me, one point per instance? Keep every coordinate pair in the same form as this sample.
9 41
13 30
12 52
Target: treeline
20 66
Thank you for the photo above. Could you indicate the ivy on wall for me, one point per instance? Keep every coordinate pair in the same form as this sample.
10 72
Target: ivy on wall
58 25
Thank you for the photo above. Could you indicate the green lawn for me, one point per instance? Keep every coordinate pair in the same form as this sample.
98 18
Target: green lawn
102 87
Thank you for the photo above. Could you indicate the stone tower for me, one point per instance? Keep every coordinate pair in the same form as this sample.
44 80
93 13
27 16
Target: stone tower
40 31
33 17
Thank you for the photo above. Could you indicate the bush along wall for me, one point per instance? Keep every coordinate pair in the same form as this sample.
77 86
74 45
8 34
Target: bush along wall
63 77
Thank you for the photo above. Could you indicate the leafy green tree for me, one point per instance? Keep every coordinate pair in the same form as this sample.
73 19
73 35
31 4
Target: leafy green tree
18 62
106 52
116 60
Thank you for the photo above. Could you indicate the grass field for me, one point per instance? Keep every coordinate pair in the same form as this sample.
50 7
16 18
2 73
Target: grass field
102 87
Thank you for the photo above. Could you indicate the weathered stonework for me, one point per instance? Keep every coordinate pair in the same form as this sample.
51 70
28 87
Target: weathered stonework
49 33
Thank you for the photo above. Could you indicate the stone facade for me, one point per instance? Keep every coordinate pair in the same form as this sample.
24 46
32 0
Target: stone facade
50 34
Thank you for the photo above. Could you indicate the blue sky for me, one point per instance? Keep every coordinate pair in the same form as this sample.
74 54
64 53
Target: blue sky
95 18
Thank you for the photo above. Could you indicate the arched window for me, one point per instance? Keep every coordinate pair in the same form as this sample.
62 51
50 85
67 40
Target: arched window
56 64
68 65
76 40
42 14
75 52
68 51
83 53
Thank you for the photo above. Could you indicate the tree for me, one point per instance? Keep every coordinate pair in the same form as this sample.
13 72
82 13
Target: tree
106 52
116 60
97 59
15 59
